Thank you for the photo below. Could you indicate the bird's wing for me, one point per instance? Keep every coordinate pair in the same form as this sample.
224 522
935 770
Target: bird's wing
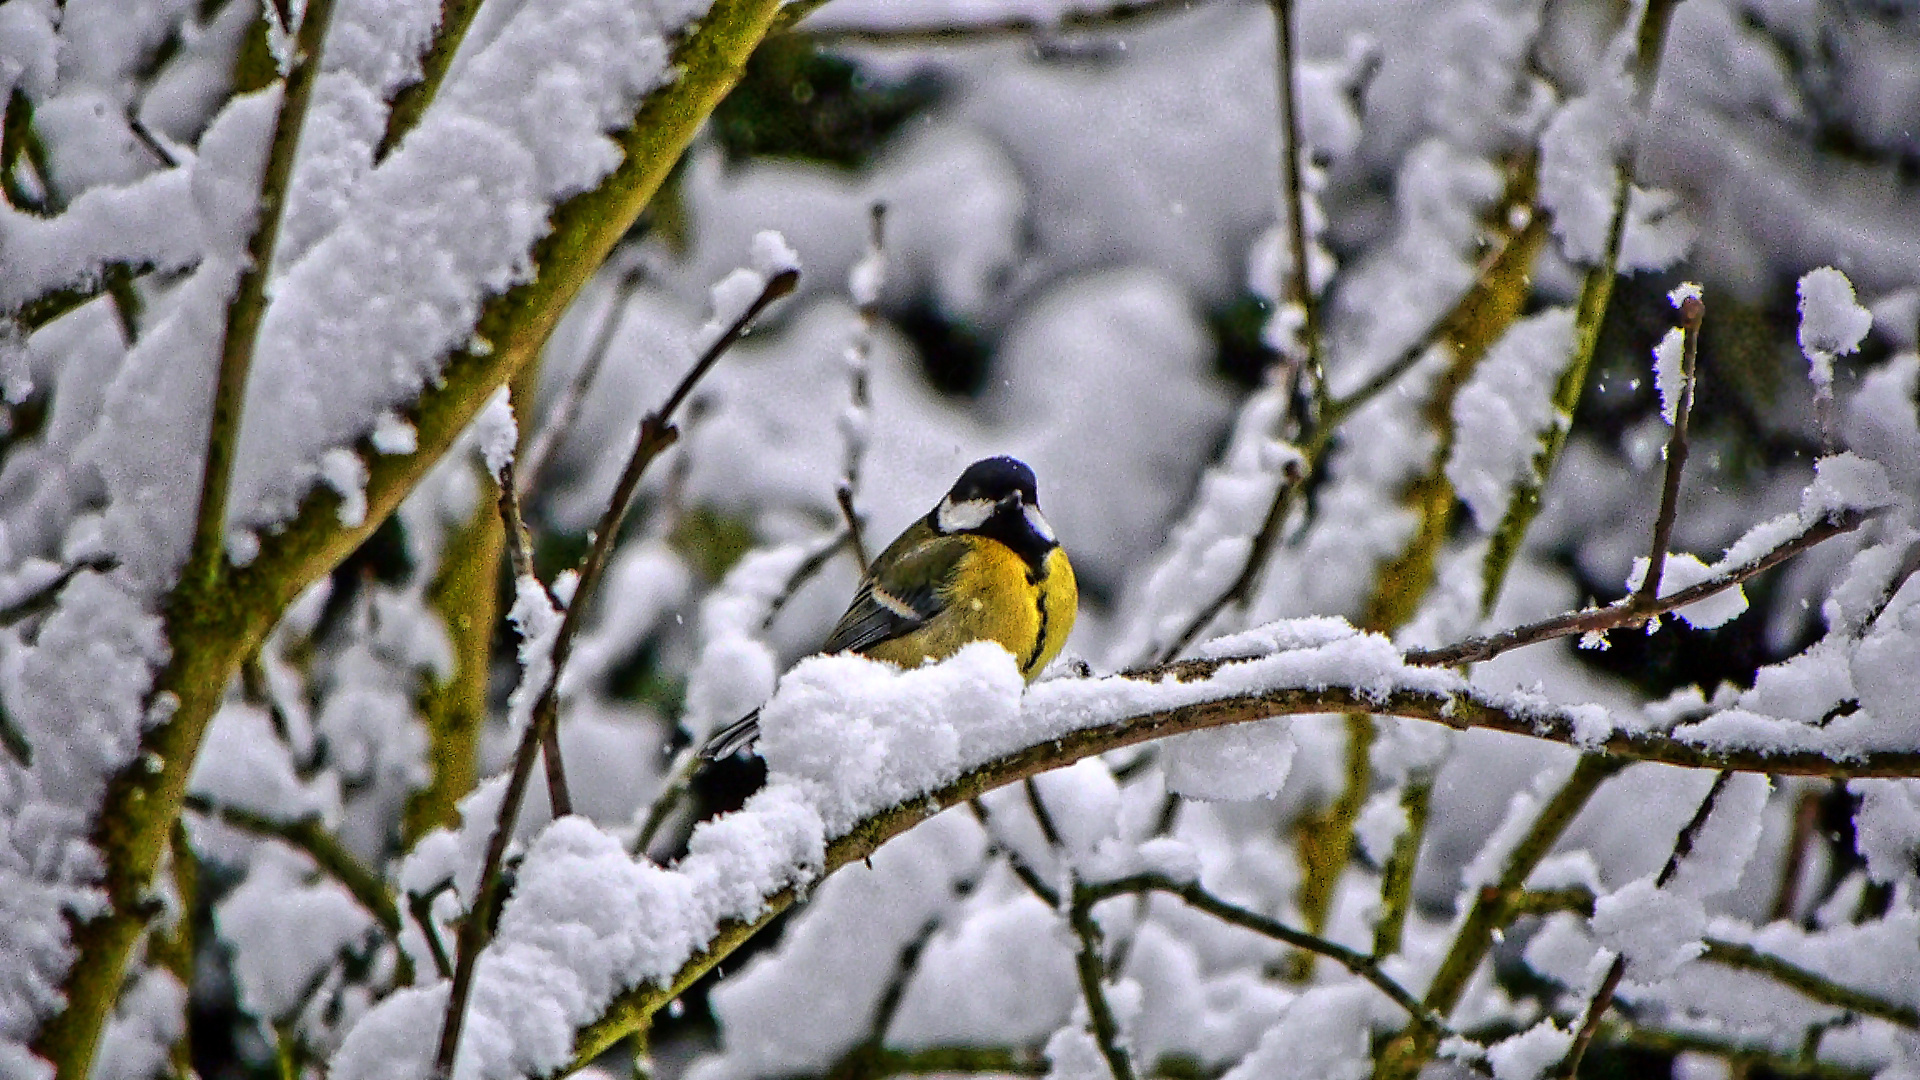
909 589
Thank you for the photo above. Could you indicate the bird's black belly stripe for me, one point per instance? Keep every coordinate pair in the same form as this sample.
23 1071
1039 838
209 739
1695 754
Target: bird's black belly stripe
1040 635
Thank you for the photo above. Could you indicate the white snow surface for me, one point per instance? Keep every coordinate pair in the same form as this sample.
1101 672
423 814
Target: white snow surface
1504 408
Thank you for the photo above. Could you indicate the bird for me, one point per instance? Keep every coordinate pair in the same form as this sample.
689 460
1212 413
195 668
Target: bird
982 565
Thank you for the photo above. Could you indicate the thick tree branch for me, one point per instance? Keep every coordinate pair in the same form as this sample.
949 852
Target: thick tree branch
211 634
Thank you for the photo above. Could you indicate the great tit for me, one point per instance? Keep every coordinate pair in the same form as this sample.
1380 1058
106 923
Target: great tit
983 565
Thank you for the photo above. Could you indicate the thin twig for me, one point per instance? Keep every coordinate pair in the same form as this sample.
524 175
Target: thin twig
565 411
1358 963
520 555
1629 613
1806 824
1603 996
1333 413
1028 875
680 773
843 495
809 566
1294 205
207 559
1692 311
1113 17
308 836
42 598
1811 983
864 283
1596 295
655 435
420 906
1287 486
1092 969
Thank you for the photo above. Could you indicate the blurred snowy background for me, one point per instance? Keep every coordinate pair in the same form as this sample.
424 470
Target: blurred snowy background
1082 269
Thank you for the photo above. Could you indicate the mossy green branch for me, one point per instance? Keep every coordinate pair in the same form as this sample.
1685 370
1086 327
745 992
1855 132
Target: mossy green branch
142 803
212 630
410 104
465 593
1406 1054
1596 294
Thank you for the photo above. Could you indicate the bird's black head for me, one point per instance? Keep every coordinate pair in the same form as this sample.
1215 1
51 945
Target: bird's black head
997 498
993 479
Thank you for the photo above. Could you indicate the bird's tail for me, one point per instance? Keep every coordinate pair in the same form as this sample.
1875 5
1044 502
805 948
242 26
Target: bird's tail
733 738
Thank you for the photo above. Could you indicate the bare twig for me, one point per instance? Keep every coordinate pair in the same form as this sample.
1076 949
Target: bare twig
1092 969
520 555
1333 413
1682 845
1113 17
1692 311
420 906
42 598
1806 823
844 496
1596 294
1811 983
1287 486
1294 205
1396 878
1027 874
560 420
864 283
249 304
680 773
802 574
1356 962
655 435
1630 612
309 837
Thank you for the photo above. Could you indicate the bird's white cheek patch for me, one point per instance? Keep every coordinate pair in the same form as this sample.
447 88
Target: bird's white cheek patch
955 517
1038 523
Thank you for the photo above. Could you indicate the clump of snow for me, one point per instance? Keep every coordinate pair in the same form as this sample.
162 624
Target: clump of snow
272 968
537 621
1725 843
1234 764
1669 372
1656 929
1321 1036
1382 821
871 735
1503 409
1832 322
497 434
1528 1055
1887 828
1682 571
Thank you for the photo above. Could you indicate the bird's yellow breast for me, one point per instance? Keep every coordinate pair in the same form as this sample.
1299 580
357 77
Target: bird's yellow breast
992 596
